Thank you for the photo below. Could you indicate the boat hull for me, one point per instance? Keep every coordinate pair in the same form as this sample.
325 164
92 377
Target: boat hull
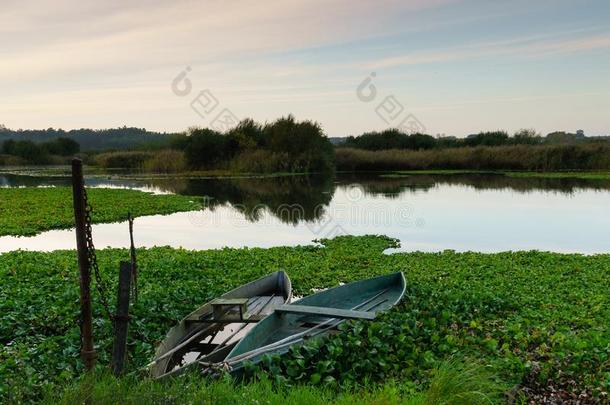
263 295
277 332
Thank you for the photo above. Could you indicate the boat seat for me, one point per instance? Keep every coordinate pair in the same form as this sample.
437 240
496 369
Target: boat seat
326 312
230 308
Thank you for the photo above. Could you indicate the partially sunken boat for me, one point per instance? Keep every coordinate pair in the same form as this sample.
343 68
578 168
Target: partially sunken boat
209 333
316 315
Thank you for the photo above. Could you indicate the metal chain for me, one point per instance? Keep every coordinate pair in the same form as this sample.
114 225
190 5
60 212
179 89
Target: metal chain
92 259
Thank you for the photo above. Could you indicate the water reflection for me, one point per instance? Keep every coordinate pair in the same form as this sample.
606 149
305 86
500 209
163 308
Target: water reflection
482 212
392 186
291 199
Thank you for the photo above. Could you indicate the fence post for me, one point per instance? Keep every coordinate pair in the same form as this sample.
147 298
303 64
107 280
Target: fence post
121 319
78 190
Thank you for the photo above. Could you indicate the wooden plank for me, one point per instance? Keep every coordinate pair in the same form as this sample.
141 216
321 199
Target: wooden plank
230 301
327 312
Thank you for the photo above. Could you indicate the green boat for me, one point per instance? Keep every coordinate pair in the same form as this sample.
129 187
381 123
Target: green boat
211 331
316 315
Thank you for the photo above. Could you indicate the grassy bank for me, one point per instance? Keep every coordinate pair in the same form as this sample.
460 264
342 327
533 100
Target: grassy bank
588 157
450 383
28 211
538 321
542 175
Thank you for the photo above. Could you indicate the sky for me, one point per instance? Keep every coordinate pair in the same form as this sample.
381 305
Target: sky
442 66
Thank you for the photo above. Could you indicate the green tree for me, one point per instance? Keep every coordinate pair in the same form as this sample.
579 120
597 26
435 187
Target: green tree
304 143
527 137
8 147
205 148
62 146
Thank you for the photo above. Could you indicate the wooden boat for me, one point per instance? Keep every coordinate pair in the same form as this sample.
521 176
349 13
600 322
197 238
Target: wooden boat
316 315
211 331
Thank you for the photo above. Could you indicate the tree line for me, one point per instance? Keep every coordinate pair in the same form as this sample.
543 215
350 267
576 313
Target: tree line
284 145
90 139
40 153
395 139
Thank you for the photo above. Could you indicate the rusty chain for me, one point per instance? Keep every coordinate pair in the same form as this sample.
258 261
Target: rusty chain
102 288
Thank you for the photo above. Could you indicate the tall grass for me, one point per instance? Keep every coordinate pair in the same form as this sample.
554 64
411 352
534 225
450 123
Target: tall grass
162 161
10 160
452 383
123 160
165 161
517 157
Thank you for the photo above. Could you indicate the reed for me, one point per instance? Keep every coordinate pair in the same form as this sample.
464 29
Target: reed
516 157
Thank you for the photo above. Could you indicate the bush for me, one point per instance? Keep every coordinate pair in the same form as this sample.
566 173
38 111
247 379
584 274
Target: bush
260 161
62 147
206 149
10 160
125 160
165 161
283 145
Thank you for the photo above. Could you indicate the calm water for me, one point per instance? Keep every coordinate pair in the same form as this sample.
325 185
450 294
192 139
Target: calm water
486 213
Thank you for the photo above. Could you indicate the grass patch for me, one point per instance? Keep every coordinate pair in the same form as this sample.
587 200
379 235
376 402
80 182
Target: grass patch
403 173
531 318
562 175
531 174
28 211
451 383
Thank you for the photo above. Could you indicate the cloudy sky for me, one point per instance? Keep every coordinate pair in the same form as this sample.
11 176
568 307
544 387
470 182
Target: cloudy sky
456 66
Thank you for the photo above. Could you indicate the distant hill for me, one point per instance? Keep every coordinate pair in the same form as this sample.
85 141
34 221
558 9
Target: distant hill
91 139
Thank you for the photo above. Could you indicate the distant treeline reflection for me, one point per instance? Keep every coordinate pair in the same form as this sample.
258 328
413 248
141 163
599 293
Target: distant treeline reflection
293 199
297 198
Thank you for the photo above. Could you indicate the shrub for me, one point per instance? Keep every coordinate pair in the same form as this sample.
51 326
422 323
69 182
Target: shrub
10 160
165 161
283 145
260 161
206 149
27 150
62 146
126 160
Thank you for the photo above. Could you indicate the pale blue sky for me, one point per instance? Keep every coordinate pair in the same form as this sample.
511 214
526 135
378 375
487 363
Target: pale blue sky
458 66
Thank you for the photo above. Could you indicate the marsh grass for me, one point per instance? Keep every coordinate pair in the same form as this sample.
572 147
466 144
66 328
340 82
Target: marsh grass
165 161
452 383
517 157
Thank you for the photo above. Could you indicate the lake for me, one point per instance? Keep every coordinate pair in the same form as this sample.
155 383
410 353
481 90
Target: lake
463 212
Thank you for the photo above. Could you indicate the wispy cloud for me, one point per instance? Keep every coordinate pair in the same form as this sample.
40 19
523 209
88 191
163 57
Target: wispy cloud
529 47
89 63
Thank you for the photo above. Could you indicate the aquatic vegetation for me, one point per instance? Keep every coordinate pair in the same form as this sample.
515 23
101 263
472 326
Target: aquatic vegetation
530 318
28 211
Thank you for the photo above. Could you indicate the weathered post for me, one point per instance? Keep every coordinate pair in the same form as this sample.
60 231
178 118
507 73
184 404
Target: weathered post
78 190
121 319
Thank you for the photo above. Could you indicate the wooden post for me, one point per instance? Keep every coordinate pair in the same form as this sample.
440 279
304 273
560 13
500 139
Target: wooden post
121 319
78 196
